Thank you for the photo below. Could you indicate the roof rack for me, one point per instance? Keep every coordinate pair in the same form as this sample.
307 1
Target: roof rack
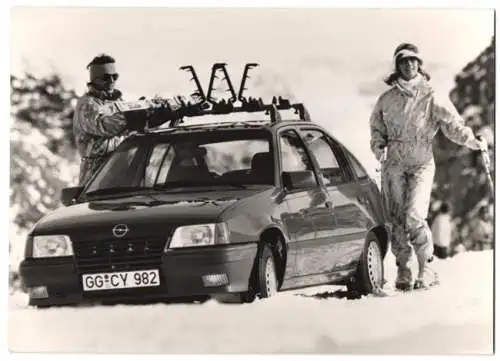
250 105
200 104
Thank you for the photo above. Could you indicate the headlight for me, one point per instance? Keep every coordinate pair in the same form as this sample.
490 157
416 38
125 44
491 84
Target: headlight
200 235
52 246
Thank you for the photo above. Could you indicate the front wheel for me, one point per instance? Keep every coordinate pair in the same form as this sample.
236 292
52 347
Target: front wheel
263 283
370 273
267 280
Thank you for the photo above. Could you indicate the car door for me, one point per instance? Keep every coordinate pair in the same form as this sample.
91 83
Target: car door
351 222
309 207
369 191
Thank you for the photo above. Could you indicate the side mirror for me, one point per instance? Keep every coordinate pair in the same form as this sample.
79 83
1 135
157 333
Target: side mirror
69 194
299 180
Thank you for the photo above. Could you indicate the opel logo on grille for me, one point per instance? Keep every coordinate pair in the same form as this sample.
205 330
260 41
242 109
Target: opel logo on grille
120 230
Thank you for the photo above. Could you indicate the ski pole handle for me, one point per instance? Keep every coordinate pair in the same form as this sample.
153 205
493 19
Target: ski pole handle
487 168
486 161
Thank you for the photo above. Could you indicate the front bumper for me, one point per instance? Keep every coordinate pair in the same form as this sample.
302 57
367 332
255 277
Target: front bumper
181 272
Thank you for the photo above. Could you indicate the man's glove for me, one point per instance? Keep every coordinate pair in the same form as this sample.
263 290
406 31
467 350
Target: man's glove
191 110
160 115
160 111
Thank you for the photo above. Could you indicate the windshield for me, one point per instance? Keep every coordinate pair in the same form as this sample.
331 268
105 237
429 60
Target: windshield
225 158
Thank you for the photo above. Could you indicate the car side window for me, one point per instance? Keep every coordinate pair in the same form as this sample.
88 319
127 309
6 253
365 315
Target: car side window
358 169
124 162
328 160
155 162
293 153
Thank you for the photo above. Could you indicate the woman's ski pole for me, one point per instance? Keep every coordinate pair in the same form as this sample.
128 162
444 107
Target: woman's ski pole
487 169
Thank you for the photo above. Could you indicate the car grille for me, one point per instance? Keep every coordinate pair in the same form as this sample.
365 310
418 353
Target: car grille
113 255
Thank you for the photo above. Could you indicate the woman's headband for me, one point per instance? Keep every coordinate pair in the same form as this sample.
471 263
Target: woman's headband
406 53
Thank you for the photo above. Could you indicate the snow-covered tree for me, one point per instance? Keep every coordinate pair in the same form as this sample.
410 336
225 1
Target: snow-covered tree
43 154
460 177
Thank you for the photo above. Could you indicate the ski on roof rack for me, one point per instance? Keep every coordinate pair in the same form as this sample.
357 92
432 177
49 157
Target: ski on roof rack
200 103
199 89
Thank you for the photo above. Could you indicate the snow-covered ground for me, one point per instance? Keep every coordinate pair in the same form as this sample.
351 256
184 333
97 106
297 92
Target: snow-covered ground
454 318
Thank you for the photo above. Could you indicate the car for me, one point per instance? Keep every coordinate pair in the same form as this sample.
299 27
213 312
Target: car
231 210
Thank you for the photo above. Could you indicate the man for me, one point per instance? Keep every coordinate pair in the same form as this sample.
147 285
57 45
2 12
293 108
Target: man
98 126
403 124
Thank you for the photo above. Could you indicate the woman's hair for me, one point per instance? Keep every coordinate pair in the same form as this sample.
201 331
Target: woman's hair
394 75
101 59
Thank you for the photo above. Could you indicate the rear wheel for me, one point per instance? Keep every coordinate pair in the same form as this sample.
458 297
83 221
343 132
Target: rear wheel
370 273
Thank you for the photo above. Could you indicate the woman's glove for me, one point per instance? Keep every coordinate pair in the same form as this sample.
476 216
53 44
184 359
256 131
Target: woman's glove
483 144
380 154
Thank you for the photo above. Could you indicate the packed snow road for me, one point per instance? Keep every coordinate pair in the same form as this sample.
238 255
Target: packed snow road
453 318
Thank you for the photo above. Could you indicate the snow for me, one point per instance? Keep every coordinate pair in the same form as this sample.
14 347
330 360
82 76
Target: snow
453 318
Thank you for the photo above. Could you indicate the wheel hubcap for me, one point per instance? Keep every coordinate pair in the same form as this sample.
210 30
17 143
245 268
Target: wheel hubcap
270 277
374 262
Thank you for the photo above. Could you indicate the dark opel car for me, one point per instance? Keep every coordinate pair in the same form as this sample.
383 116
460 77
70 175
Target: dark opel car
237 210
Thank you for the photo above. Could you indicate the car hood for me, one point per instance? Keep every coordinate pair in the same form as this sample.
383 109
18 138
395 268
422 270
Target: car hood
139 212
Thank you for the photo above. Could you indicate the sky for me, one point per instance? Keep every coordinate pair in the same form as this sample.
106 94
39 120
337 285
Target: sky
450 319
150 43
323 57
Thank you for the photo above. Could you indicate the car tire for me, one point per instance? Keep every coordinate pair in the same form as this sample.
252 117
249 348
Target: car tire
370 272
263 281
266 280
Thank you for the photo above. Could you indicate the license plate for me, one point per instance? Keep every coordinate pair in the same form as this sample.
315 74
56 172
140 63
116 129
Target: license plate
119 280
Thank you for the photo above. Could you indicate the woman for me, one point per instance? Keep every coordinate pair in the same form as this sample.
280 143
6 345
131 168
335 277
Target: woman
403 124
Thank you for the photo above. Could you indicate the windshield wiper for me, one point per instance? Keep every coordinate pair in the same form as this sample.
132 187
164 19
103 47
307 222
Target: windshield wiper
181 184
235 185
188 184
116 190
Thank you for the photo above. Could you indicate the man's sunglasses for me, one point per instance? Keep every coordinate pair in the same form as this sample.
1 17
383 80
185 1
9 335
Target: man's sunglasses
109 77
